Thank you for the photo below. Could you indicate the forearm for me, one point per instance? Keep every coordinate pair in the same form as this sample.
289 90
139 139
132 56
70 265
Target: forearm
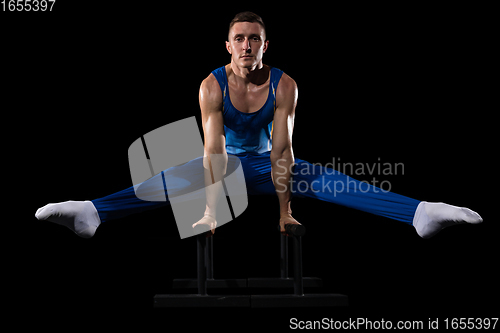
215 162
215 168
281 167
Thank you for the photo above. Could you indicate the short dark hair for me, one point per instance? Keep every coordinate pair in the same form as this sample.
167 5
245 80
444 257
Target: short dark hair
248 17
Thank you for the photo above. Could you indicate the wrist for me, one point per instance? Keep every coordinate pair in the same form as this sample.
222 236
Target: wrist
285 214
285 209
210 212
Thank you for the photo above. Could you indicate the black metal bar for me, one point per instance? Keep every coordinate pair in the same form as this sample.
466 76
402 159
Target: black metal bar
202 271
209 255
284 256
228 199
295 230
298 285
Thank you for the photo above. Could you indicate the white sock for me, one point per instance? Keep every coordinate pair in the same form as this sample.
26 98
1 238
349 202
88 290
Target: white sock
79 216
432 217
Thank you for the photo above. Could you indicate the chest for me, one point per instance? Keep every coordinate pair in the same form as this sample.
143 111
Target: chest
249 99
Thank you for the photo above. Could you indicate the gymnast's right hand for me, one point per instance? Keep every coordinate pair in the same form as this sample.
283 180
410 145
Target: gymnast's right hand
208 220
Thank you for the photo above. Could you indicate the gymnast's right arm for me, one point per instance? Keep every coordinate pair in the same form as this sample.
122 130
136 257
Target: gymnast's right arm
211 114
215 156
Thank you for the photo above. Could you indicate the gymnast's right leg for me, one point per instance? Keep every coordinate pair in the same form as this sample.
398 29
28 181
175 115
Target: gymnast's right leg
84 217
79 216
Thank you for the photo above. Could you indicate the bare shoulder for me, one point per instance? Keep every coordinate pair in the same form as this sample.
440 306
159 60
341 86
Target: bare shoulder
287 91
287 83
210 92
210 85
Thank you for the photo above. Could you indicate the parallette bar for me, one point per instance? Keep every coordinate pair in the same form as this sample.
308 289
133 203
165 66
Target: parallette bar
297 230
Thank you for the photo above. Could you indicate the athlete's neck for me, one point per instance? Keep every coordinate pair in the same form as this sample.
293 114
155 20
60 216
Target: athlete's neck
257 74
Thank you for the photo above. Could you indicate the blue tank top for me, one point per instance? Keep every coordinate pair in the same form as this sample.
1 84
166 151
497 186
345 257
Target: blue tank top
248 132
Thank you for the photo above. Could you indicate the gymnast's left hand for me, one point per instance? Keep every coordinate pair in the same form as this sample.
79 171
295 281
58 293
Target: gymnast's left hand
286 219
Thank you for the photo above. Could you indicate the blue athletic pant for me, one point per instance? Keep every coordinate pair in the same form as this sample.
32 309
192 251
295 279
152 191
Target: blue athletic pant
312 181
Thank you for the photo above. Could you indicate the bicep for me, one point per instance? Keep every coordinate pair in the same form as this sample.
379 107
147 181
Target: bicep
211 114
284 118
282 130
213 128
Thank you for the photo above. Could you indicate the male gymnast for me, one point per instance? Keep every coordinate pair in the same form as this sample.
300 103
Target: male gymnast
248 111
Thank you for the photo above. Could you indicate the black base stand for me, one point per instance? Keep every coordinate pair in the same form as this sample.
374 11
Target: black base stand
202 299
196 301
295 301
211 282
298 298
205 268
284 281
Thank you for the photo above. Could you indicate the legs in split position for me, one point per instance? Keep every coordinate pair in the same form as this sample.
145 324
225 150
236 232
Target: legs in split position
83 217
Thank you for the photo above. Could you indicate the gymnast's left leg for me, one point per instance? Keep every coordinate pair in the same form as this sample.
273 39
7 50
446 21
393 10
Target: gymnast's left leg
327 184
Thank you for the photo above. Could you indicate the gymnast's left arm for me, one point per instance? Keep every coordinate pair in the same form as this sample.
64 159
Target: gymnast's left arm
282 159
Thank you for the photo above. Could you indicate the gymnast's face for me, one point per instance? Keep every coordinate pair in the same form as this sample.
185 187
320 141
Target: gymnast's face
247 44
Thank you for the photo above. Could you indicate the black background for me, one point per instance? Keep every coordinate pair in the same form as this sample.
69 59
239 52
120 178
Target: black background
404 84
